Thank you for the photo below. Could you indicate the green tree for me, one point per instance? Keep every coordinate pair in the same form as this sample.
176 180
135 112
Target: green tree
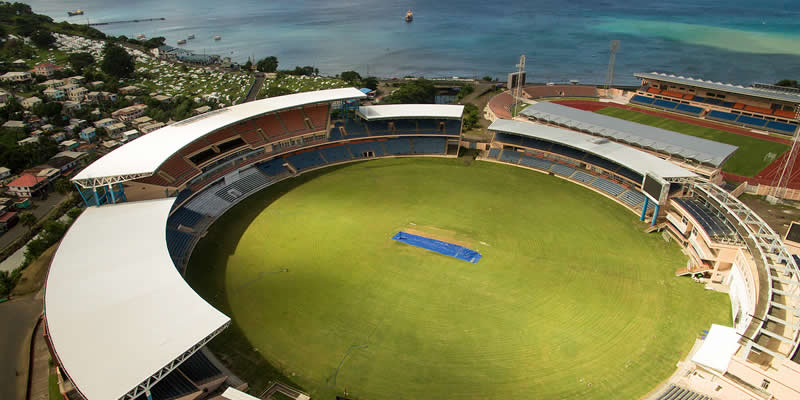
420 91
27 219
43 38
63 186
50 110
351 77
117 62
152 43
370 82
79 61
248 65
268 64
74 213
487 78
788 83
471 117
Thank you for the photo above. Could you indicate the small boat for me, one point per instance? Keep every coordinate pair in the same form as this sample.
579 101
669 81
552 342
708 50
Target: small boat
141 36
218 37
409 16
74 13
182 41
190 37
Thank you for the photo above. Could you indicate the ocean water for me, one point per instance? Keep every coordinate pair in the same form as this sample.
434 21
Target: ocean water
739 41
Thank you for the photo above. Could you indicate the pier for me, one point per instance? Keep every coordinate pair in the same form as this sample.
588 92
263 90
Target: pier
130 21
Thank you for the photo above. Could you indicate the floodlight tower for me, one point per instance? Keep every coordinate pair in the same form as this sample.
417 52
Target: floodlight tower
611 60
781 184
517 92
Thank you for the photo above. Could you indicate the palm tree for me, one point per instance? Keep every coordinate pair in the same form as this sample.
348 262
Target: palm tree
27 219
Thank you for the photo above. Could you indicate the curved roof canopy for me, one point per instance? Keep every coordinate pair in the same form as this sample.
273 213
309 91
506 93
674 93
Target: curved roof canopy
143 156
762 93
117 310
395 111
646 136
637 160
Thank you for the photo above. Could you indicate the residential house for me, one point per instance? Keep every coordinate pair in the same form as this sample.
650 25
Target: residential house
4 172
69 87
70 105
58 137
88 134
147 128
46 69
104 123
69 144
78 94
30 102
16 76
96 84
127 136
202 110
110 144
54 83
142 121
161 98
55 93
115 130
28 140
14 124
26 185
129 113
77 79
129 90
66 160
93 97
108 96
47 127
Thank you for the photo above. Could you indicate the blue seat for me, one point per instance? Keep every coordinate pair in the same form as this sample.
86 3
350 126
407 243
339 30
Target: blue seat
378 127
567 151
405 126
358 149
536 144
177 244
273 167
354 128
453 127
506 138
399 146
728 104
336 154
601 162
303 161
510 156
334 133
426 145
563 170
781 127
632 198
687 109
172 386
642 99
493 153
607 186
535 162
182 195
665 104
630 174
751 121
184 217
722 116
199 368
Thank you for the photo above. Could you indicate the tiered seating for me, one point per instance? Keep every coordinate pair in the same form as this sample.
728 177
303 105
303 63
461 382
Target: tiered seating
510 156
536 144
378 127
199 368
722 116
405 126
506 138
195 146
305 160
429 126
581 176
273 168
250 180
535 162
182 195
426 145
171 387
672 94
252 137
177 168
335 154
293 120
358 149
690 110
628 173
563 170
665 104
601 162
632 198
184 217
751 121
607 186
334 133
452 127
207 202
271 125
354 128
318 115
781 127
760 110
678 393
714 225
403 146
639 99
178 244
567 151
219 135
540 91
784 113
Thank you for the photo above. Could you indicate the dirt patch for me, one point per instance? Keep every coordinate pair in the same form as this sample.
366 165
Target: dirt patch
34 275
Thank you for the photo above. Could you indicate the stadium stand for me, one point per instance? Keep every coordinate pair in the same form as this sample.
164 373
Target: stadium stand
182 196
378 128
689 110
562 170
607 186
721 116
271 126
639 99
178 244
273 167
305 160
401 146
172 386
542 91
318 115
510 156
453 127
362 149
428 126
535 162
751 121
678 393
583 177
293 120
632 198
249 180
404 126
665 104
494 152
184 217
354 128
428 145
198 368
781 127
335 154
714 225
633 176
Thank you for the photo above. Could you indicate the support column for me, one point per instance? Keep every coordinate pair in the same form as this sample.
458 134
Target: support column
655 216
149 396
78 188
644 208
113 198
96 197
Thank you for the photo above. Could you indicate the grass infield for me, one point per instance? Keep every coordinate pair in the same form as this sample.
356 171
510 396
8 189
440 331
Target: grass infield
570 300
752 156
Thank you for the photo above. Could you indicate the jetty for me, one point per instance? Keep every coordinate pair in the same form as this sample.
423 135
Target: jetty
130 21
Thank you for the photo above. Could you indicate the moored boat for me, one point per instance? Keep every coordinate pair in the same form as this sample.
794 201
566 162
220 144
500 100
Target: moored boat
409 16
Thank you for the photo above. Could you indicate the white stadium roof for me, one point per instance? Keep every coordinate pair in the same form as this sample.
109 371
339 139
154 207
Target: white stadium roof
759 92
394 111
637 160
143 156
117 310
646 136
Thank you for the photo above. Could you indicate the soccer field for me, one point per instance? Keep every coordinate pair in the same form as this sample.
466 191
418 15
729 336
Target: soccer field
750 158
570 300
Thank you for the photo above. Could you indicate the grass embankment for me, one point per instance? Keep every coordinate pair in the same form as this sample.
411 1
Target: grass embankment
570 300
753 155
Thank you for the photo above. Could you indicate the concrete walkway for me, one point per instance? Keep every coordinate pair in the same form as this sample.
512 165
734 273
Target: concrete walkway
40 371
17 317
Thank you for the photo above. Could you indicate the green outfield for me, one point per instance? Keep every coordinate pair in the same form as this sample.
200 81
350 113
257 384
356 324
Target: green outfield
752 156
570 300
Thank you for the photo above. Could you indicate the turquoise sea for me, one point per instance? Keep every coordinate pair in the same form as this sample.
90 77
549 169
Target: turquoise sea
731 41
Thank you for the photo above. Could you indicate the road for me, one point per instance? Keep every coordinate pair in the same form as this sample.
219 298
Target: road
18 317
251 95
